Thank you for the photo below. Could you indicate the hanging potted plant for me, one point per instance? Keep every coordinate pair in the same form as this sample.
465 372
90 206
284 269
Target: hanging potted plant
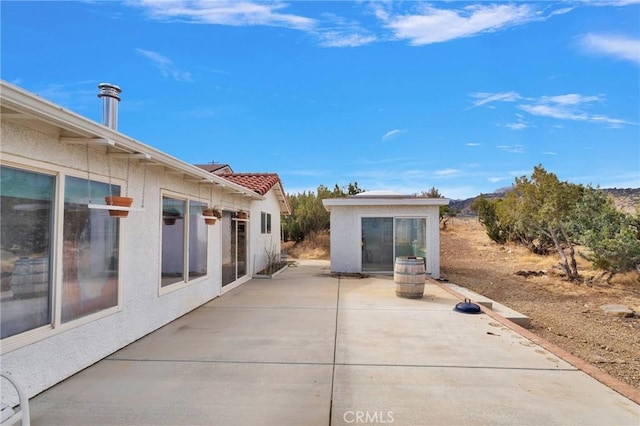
209 216
118 202
242 215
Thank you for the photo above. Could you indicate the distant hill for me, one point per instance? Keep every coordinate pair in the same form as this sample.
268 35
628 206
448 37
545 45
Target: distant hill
625 199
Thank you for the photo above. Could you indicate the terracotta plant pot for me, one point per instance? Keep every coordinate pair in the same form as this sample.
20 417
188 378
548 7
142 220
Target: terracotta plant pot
242 215
120 202
210 218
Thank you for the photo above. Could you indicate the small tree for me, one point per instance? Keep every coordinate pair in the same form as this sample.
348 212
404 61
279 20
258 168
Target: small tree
445 212
488 216
547 206
308 213
612 237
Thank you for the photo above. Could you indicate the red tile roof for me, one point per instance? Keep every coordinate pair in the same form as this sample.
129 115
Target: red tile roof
260 183
257 182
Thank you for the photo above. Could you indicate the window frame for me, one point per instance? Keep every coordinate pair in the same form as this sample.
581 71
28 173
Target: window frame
186 282
265 223
56 326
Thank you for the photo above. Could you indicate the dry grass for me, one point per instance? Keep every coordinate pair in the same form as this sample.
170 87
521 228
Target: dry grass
315 246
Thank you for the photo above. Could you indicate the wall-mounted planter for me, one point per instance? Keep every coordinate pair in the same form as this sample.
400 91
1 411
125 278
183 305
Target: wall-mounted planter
119 202
209 216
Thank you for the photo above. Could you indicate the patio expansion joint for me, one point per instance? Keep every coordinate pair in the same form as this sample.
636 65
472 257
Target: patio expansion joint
470 367
335 351
216 361
276 308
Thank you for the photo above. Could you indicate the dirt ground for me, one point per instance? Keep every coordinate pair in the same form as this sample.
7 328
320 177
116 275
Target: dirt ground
566 314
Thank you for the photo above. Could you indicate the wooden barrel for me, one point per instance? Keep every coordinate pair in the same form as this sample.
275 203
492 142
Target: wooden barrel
409 276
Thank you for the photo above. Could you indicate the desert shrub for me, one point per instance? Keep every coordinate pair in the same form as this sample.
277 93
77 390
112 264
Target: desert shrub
487 211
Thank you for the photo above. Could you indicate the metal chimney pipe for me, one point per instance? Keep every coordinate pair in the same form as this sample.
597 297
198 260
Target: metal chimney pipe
110 98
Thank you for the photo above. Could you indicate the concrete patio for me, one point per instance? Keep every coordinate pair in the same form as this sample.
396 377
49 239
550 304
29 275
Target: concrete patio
306 348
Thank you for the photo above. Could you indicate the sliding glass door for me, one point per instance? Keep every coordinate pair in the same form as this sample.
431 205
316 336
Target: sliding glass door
234 248
377 244
385 238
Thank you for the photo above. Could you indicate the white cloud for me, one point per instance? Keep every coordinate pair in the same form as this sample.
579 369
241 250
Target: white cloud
165 65
571 106
519 124
485 98
612 2
549 153
392 134
496 179
516 126
344 39
619 47
472 144
446 172
514 149
432 25
571 99
225 12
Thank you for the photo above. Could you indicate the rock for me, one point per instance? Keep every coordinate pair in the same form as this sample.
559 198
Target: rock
618 310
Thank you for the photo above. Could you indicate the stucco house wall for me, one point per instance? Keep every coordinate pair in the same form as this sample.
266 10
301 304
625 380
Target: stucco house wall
31 140
268 242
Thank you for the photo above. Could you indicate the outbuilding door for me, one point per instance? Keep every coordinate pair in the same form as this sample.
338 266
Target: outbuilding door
377 244
385 238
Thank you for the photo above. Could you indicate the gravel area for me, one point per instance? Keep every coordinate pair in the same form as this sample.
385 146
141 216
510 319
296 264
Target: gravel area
566 314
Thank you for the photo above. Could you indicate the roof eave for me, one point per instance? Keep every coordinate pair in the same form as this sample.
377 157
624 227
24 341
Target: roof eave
381 201
24 102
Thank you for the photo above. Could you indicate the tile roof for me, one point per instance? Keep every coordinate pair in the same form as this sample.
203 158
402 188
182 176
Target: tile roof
257 182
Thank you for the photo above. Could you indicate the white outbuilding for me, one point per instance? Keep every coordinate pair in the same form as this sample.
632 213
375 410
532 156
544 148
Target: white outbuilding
369 230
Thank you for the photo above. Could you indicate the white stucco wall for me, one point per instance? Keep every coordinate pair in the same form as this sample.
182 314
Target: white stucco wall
261 242
44 357
346 234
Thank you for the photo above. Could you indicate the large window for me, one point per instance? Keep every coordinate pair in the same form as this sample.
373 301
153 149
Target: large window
90 250
88 264
173 224
184 241
26 224
197 240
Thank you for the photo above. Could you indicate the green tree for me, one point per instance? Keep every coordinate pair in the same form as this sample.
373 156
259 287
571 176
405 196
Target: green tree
308 213
613 238
487 211
445 212
546 206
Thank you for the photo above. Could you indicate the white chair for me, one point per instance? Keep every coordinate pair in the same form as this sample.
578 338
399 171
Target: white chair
9 414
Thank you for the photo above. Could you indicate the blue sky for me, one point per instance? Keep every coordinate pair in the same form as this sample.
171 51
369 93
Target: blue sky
463 96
